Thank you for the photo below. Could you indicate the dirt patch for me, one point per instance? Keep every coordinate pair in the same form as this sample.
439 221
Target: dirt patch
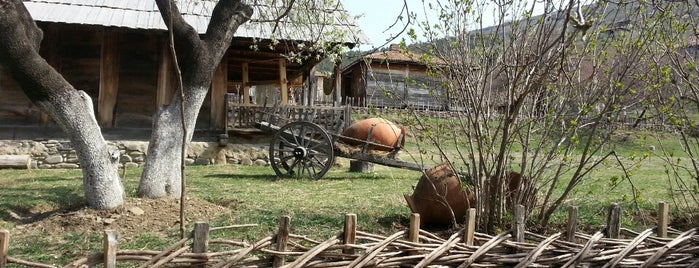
153 216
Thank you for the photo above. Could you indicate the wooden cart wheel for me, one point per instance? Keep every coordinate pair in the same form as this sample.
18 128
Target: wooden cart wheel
301 149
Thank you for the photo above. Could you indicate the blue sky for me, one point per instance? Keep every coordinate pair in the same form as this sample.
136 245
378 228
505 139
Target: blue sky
377 16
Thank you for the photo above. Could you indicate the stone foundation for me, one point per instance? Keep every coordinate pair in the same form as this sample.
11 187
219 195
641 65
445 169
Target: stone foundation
47 154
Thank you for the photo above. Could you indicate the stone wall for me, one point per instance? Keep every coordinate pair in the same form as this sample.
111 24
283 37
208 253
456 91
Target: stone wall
48 154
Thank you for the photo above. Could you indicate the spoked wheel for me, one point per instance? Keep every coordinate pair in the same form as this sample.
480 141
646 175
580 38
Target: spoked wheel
301 150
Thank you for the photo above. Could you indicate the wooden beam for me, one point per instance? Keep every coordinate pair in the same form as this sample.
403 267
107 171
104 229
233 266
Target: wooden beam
282 82
53 57
246 83
338 84
219 88
167 80
109 78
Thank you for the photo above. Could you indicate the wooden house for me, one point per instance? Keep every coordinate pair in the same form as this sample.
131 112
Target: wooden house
391 78
117 52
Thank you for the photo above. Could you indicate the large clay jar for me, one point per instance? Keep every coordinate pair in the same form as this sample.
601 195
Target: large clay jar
383 132
439 185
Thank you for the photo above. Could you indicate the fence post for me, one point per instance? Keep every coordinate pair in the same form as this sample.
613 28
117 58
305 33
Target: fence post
470 228
572 223
614 221
414 231
200 239
662 219
350 233
4 246
519 223
109 242
282 239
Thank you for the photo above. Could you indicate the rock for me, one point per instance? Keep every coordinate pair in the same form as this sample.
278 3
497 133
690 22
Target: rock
53 159
141 146
136 211
202 161
246 162
136 154
67 166
260 162
125 158
108 221
189 161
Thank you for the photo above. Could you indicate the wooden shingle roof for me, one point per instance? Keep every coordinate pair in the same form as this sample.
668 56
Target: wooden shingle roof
305 23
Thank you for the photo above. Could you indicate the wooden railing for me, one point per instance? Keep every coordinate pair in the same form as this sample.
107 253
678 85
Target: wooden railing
242 117
612 246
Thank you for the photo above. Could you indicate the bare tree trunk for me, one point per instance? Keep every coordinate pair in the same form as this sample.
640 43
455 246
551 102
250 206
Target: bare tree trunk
161 174
200 55
71 109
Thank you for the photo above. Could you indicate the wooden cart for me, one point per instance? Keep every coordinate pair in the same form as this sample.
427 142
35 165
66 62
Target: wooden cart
303 149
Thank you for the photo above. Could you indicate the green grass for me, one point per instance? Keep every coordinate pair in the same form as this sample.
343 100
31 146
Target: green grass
317 208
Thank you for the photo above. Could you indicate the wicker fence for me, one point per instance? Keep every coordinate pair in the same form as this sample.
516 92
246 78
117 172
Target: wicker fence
611 247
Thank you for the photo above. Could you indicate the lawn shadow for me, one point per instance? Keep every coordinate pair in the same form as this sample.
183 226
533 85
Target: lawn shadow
262 177
28 207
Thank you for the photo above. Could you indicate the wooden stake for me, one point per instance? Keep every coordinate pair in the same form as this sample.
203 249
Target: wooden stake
109 243
200 239
350 234
662 219
282 239
572 223
614 221
470 228
414 232
246 83
519 223
282 82
4 246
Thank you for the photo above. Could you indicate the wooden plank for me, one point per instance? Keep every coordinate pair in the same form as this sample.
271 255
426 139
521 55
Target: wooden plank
200 239
662 219
283 82
414 231
350 232
219 88
109 78
282 240
572 223
167 83
614 221
4 247
246 83
109 243
470 228
15 161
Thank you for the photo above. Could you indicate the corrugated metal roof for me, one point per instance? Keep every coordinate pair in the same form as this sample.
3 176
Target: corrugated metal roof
339 25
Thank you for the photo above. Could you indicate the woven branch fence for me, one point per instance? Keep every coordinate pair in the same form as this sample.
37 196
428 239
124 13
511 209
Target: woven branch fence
611 247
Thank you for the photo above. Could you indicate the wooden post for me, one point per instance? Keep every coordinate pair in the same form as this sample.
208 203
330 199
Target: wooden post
662 219
109 242
414 231
200 239
282 239
246 83
350 233
167 80
283 82
109 78
338 84
53 57
219 88
470 228
361 166
572 223
614 221
4 246
519 223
